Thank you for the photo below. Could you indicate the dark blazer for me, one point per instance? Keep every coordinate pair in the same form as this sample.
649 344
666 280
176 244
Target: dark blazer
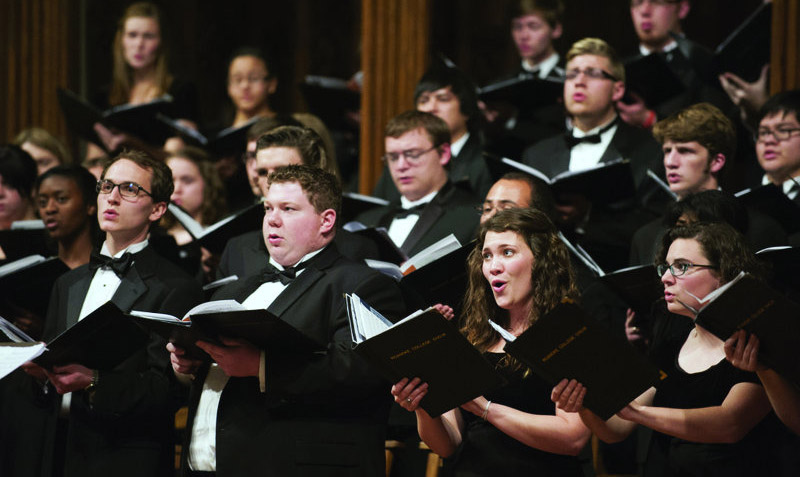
452 210
247 254
126 429
468 169
323 414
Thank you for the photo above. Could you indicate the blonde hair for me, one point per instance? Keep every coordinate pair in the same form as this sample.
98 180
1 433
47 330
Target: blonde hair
598 47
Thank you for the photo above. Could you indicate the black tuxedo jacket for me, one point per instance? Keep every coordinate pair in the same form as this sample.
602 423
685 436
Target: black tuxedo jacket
247 254
452 210
468 170
323 414
126 429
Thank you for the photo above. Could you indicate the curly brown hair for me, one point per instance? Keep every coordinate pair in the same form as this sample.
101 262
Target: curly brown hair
551 275
724 247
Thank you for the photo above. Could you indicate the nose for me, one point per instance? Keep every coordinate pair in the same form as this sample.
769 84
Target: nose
666 278
272 218
429 106
495 265
50 207
671 159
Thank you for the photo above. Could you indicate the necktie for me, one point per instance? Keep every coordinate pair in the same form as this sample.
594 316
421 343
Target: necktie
573 141
403 213
285 276
118 265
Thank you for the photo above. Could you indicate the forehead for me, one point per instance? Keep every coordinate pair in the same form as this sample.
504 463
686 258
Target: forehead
515 191
183 164
586 61
684 144
278 156
125 170
287 192
416 138
506 237
528 18
247 64
141 24
445 91
780 118
57 183
688 249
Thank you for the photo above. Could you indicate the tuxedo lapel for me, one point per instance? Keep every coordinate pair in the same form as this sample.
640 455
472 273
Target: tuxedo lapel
76 295
130 289
559 160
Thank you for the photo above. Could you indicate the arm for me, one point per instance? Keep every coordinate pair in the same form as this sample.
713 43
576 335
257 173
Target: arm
568 396
745 405
784 397
563 433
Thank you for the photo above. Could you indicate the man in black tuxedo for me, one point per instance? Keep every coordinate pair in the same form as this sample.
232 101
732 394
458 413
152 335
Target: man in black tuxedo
246 254
117 421
260 412
446 92
595 81
430 206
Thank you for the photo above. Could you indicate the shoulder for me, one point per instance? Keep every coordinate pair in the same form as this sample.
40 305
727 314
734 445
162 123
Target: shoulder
150 264
453 198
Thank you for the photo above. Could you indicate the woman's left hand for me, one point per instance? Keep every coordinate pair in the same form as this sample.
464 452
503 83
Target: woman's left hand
743 352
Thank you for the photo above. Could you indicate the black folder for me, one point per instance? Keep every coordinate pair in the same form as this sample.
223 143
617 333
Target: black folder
101 340
215 236
29 287
566 343
747 49
770 200
525 92
331 100
650 77
20 243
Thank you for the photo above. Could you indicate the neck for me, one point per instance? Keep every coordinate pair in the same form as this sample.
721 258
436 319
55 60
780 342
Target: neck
656 45
243 116
779 177
587 123
75 251
456 135
534 61
705 337
117 242
518 319
144 75
710 184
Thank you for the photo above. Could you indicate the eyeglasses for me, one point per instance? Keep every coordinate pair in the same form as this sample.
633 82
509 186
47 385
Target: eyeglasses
594 73
658 3
488 207
679 269
126 189
412 155
237 80
780 134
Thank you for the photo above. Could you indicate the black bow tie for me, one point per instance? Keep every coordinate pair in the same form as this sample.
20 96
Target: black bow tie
595 138
403 213
118 265
285 276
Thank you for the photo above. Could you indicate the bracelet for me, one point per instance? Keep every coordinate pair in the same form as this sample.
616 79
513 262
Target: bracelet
95 378
651 119
486 410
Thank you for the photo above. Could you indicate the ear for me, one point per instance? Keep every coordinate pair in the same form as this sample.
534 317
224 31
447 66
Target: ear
618 91
272 85
716 163
327 221
91 209
159 209
557 31
683 9
444 154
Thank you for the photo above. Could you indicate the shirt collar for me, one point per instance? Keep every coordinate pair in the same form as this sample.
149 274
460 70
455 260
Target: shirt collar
543 68
407 204
305 258
133 248
669 47
457 146
578 133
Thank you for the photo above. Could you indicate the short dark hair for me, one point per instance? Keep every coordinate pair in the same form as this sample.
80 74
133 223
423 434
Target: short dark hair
86 182
161 184
711 206
722 245
434 126
552 11
541 195
255 52
784 103
18 169
703 123
441 76
305 141
321 187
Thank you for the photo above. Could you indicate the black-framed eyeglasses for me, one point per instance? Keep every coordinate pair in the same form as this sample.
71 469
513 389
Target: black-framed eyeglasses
780 134
499 206
594 73
126 189
639 3
679 269
412 155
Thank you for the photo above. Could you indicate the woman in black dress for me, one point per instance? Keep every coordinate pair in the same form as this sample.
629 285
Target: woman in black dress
704 411
519 270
